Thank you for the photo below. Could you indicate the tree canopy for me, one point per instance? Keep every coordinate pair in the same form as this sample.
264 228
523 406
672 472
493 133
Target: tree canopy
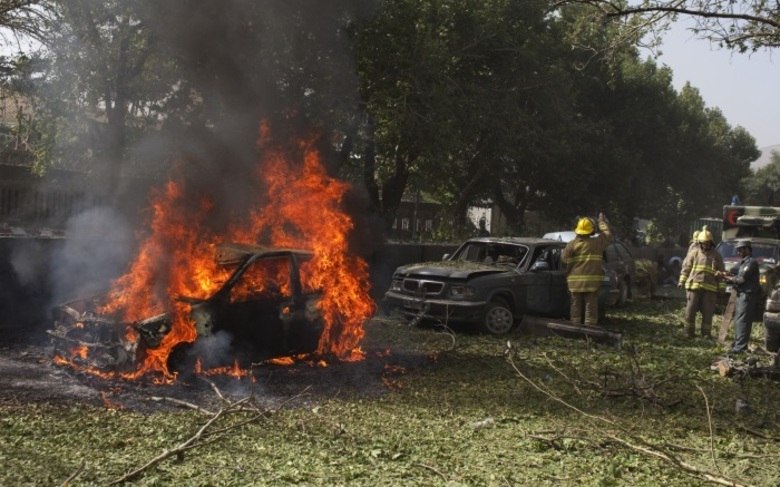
470 101
746 25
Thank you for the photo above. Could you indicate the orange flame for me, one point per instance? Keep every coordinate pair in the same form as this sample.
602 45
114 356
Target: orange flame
305 198
80 351
231 370
390 376
300 210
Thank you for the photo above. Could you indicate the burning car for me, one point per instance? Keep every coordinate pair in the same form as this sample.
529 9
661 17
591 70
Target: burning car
263 307
492 282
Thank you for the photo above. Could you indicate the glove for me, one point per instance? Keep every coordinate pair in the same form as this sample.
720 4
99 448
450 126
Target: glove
680 285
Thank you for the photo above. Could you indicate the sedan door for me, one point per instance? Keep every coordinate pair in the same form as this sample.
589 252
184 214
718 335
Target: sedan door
545 281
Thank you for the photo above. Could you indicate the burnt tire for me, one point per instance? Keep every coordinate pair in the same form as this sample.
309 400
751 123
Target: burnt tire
498 319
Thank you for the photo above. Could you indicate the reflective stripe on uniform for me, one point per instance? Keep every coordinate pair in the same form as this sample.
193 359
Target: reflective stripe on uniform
585 258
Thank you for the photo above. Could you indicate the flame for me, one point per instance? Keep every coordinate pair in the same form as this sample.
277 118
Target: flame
283 361
80 351
234 370
296 190
110 405
384 353
390 376
300 209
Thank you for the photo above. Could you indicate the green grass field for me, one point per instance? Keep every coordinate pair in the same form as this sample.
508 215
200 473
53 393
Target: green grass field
472 411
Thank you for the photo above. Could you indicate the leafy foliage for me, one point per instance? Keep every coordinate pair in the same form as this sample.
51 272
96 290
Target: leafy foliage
762 187
746 25
504 101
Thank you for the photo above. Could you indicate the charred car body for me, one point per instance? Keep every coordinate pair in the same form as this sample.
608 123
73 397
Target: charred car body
492 282
262 307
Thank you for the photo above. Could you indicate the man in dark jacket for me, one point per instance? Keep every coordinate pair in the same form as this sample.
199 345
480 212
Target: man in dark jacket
748 293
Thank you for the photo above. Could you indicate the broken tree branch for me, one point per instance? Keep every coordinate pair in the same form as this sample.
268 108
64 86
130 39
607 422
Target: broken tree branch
74 474
179 402
203 436
709 423
644 447
677 462
189 443
216 390
432 469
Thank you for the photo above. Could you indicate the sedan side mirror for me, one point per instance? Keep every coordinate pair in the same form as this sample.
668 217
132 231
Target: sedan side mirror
540 265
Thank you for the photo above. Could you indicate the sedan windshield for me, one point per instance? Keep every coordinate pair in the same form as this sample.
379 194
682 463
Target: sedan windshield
491 253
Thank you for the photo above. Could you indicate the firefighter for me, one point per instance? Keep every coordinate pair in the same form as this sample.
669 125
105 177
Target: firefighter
584 271
694 241
699 276
748 290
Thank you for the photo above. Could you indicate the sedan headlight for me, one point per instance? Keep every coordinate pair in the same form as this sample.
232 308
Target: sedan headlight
461 292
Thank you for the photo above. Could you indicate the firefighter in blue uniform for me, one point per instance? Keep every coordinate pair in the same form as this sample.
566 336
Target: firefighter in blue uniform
748 293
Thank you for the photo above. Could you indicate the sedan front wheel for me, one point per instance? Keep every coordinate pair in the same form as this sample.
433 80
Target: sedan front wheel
499 319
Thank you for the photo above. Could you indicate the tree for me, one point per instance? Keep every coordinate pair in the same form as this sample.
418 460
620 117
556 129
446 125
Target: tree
763 187
746 25
488 101
462 95
24 18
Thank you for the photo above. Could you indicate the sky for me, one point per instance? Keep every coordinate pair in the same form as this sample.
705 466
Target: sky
746 87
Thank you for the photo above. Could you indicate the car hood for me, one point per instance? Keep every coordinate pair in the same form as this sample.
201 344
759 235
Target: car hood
449 269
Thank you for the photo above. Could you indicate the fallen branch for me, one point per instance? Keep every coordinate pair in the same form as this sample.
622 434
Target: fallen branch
551 395
451 333
179 402
758 433
186 445
709 423
690 469
560 372
644 448
73 475
432 469
216 390
552 441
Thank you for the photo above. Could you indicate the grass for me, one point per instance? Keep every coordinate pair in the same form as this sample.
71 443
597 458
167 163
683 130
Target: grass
551 411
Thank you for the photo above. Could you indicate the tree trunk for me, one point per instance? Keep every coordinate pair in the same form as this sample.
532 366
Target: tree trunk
393 190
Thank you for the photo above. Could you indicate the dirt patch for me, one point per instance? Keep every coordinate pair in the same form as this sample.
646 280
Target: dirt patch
27 375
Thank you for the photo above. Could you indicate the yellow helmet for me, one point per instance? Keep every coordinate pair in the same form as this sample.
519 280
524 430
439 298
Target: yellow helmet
704 236
584 227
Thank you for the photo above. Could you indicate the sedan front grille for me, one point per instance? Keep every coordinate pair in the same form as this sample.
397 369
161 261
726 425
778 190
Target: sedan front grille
422 287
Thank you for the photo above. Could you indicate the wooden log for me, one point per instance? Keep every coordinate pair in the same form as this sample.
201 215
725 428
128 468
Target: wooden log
537 325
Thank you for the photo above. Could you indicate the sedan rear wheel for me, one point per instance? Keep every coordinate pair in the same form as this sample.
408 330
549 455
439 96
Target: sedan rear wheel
498 318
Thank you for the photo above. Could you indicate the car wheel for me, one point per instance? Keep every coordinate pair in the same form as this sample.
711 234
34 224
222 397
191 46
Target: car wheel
498 318
623 292
772 339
